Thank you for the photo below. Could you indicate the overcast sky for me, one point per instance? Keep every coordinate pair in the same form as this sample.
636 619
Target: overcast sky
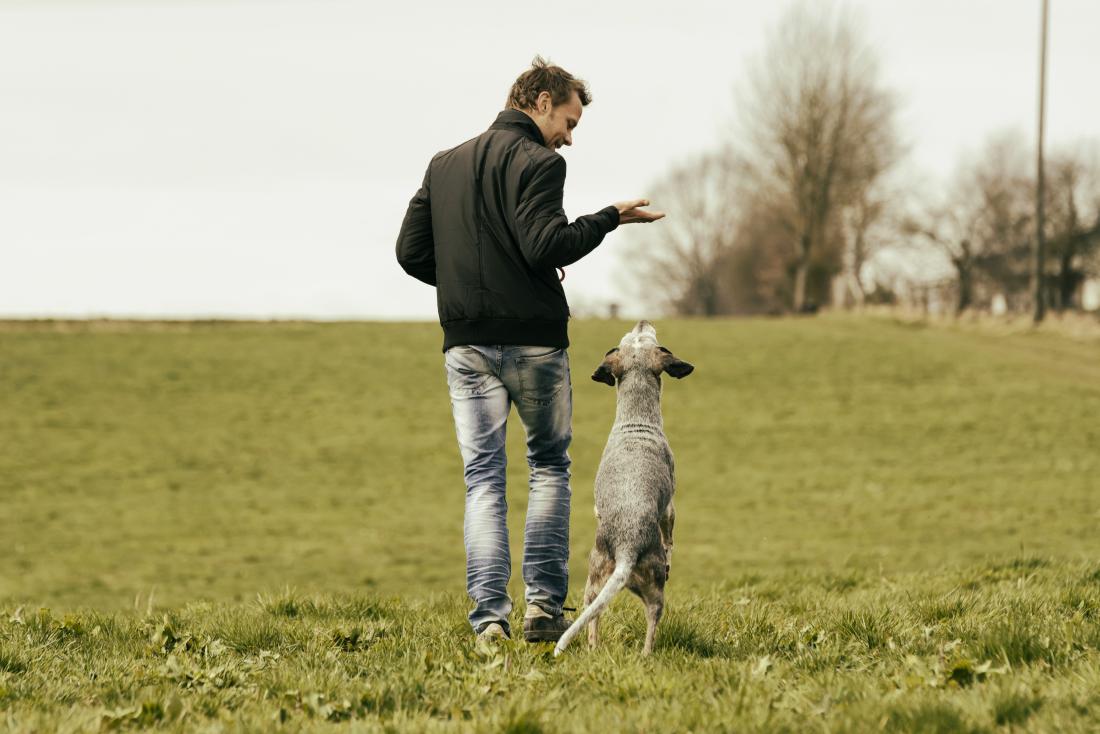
247 158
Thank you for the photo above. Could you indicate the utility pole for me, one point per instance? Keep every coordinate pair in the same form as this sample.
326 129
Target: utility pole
1040 240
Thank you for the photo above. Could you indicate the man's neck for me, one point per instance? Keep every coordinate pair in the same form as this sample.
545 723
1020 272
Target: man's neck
528 115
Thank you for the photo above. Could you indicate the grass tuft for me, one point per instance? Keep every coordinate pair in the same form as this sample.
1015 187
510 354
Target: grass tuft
870 629
1017 640
942 609
250 634
1015 707
843 582
10 660
524 722
287 604
926 717
681 633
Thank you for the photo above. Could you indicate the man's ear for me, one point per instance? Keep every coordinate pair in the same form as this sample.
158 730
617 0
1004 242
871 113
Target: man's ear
675 366
608 369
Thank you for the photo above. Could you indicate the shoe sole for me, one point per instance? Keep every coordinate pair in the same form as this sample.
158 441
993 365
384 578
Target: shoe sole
542 636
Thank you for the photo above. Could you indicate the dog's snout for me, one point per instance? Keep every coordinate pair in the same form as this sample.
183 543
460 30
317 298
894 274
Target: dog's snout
642 335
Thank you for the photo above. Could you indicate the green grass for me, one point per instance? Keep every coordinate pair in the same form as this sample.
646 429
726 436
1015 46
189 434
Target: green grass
879 525
782 654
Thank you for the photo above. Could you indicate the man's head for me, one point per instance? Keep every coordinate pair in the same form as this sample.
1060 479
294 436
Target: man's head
553 98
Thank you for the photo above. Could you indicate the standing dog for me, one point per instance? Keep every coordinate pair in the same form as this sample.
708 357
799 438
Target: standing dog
634 486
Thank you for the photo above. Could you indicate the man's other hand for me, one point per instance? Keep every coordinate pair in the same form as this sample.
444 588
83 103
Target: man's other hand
630 212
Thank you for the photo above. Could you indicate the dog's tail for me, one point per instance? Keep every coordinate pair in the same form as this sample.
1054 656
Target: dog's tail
613 586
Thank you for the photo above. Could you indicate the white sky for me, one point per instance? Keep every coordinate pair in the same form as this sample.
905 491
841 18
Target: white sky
247 158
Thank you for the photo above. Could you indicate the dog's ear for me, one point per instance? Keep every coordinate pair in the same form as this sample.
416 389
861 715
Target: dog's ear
608 369
675 366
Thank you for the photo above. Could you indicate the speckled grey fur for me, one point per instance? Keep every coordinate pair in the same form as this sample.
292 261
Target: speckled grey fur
634 487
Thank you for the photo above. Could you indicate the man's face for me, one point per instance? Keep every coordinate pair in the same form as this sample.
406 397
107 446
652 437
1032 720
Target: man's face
557 121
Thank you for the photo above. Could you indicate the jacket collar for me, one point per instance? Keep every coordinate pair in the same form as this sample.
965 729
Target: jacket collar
519 122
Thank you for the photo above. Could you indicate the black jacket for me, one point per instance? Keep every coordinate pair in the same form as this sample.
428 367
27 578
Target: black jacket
487 229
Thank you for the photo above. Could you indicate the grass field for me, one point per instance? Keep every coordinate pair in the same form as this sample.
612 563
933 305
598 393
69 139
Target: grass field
879 525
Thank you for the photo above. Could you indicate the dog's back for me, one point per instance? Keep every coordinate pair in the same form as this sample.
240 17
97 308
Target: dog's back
634 485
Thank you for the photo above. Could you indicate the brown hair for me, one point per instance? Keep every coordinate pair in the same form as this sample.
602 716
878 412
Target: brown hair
545 77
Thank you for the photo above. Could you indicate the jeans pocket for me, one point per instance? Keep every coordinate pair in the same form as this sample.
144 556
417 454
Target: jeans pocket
466 371
542 377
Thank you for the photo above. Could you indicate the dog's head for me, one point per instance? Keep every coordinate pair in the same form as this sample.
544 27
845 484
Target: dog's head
639 350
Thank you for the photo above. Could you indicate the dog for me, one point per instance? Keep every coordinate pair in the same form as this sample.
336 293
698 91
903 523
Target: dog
634 487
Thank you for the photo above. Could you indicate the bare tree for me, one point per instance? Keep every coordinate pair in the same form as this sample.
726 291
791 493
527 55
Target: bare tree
1005 229
981 225
950 227
757 271
1072 222
680 263
820 127
869 224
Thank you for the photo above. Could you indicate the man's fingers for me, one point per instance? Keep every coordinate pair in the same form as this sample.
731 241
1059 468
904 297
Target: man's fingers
625 206
641 215
631 211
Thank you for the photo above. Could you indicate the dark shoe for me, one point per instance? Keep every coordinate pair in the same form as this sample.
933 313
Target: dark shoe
541 626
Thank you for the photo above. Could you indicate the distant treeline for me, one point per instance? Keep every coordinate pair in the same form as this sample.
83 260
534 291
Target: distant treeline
810 202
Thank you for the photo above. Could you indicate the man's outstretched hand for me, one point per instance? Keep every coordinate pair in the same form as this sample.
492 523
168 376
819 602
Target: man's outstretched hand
630 212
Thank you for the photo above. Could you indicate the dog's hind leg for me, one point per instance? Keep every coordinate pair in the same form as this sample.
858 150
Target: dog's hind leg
590 592
653 596
665 523
654 608
599 569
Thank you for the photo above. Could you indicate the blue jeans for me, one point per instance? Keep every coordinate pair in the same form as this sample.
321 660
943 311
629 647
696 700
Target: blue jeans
483 382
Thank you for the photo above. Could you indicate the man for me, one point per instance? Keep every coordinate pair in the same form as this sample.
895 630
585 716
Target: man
487 229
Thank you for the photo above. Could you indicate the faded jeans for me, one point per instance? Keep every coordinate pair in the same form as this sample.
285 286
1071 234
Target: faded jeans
483 382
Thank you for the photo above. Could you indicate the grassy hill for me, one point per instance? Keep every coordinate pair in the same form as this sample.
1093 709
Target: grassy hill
864 509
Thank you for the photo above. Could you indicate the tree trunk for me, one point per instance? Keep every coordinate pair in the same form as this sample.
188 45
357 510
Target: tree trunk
859 291
801 272
1067 283
708 295
966 286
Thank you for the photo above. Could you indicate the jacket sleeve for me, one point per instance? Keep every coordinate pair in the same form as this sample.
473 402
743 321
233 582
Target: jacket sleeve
546 237
415 246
